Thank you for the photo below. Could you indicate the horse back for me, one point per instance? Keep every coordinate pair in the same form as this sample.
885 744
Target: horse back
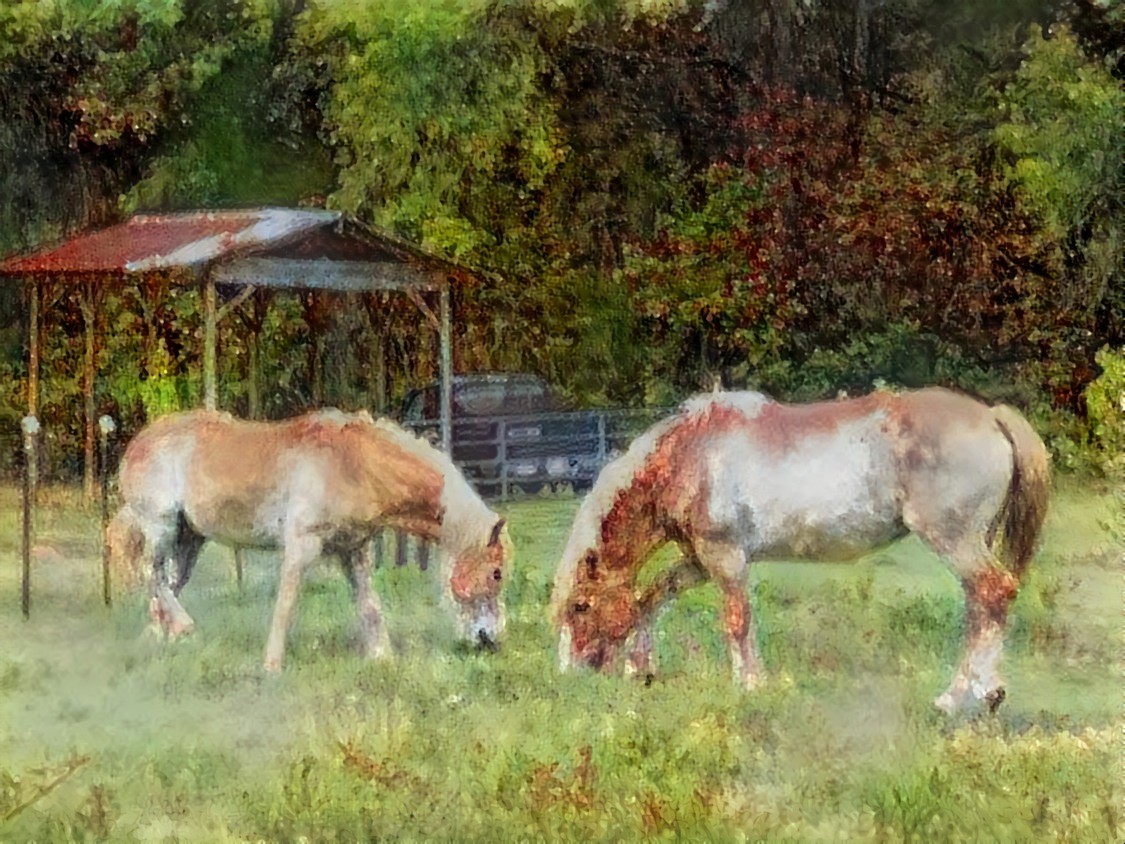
323 473
833 479
248 482
806 481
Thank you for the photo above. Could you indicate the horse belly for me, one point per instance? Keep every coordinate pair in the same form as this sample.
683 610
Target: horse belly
833 498
240 520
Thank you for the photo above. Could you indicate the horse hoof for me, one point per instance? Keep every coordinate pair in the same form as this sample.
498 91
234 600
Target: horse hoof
945 703
995 698
181 629
486 642
753 682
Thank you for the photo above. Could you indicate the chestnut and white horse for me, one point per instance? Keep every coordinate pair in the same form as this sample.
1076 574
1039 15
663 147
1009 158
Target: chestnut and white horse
323 483
736 477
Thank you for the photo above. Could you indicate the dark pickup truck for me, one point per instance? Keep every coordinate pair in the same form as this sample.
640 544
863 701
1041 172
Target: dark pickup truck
510 432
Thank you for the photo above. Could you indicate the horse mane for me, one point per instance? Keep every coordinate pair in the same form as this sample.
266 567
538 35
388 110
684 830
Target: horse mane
619 475
465 513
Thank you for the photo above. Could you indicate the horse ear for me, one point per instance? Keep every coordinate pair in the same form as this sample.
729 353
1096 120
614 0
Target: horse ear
494 539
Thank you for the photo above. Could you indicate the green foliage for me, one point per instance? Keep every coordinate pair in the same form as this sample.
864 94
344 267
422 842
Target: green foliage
803 197
430 104
89 90
1062 144
1061 132
1105 404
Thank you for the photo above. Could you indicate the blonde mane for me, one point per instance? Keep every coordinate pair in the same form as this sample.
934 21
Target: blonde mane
619 474
466 514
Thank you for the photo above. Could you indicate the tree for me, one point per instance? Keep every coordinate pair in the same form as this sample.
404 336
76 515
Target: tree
1061 142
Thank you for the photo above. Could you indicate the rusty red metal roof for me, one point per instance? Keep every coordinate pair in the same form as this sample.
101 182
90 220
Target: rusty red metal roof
164 241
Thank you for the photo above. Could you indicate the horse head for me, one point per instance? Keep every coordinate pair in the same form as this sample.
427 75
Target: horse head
475 583
597 614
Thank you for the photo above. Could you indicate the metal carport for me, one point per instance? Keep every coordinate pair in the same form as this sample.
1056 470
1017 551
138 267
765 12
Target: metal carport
234 252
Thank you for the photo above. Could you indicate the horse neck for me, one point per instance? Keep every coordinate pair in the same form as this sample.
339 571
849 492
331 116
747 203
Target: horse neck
466 520
633 528
409 482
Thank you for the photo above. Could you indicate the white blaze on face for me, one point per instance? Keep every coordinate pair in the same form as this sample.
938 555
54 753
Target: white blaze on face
565 646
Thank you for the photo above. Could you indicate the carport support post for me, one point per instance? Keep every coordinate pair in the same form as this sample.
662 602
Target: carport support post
106 427
446 319
210 343
89 307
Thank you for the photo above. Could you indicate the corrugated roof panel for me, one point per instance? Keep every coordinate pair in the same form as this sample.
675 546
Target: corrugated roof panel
147 242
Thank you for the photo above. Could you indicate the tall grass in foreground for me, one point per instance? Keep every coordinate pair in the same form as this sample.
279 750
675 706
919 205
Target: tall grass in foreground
133 739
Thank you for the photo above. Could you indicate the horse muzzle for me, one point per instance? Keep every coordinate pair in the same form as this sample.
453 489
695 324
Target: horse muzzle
483 625
595 655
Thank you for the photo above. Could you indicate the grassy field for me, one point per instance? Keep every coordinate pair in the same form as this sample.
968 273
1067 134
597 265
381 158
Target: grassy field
107 734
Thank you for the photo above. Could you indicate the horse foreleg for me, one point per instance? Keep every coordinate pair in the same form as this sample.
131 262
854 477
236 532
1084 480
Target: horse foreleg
298 553
746 660
726 563
988 593
357 567
685 574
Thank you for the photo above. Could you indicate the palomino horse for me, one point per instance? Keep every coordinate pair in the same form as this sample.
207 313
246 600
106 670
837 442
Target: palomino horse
323 483
736 477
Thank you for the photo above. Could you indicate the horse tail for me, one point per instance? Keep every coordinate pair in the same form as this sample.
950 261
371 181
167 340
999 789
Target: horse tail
1025 508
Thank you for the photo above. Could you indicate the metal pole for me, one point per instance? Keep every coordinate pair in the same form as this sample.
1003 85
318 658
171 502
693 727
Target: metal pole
210 344
89 372
106 427
601 453
502 454
446 367
33 371
30 426
400 548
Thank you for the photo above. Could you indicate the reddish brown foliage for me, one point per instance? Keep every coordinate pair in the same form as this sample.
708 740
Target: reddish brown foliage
366 767
550 790
834 223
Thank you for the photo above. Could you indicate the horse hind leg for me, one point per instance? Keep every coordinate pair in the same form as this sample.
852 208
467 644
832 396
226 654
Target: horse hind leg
989 591
168 616
188 545
357 567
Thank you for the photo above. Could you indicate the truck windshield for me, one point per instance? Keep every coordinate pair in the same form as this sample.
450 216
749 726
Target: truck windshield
481 398
498 398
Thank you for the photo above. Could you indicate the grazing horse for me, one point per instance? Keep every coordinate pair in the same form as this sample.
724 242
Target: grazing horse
736 477
323 483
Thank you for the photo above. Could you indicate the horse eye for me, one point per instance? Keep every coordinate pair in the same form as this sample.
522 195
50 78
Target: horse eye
591 565
497 574
581 606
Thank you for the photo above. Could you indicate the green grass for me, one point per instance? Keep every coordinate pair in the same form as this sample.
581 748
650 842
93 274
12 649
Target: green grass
134 739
